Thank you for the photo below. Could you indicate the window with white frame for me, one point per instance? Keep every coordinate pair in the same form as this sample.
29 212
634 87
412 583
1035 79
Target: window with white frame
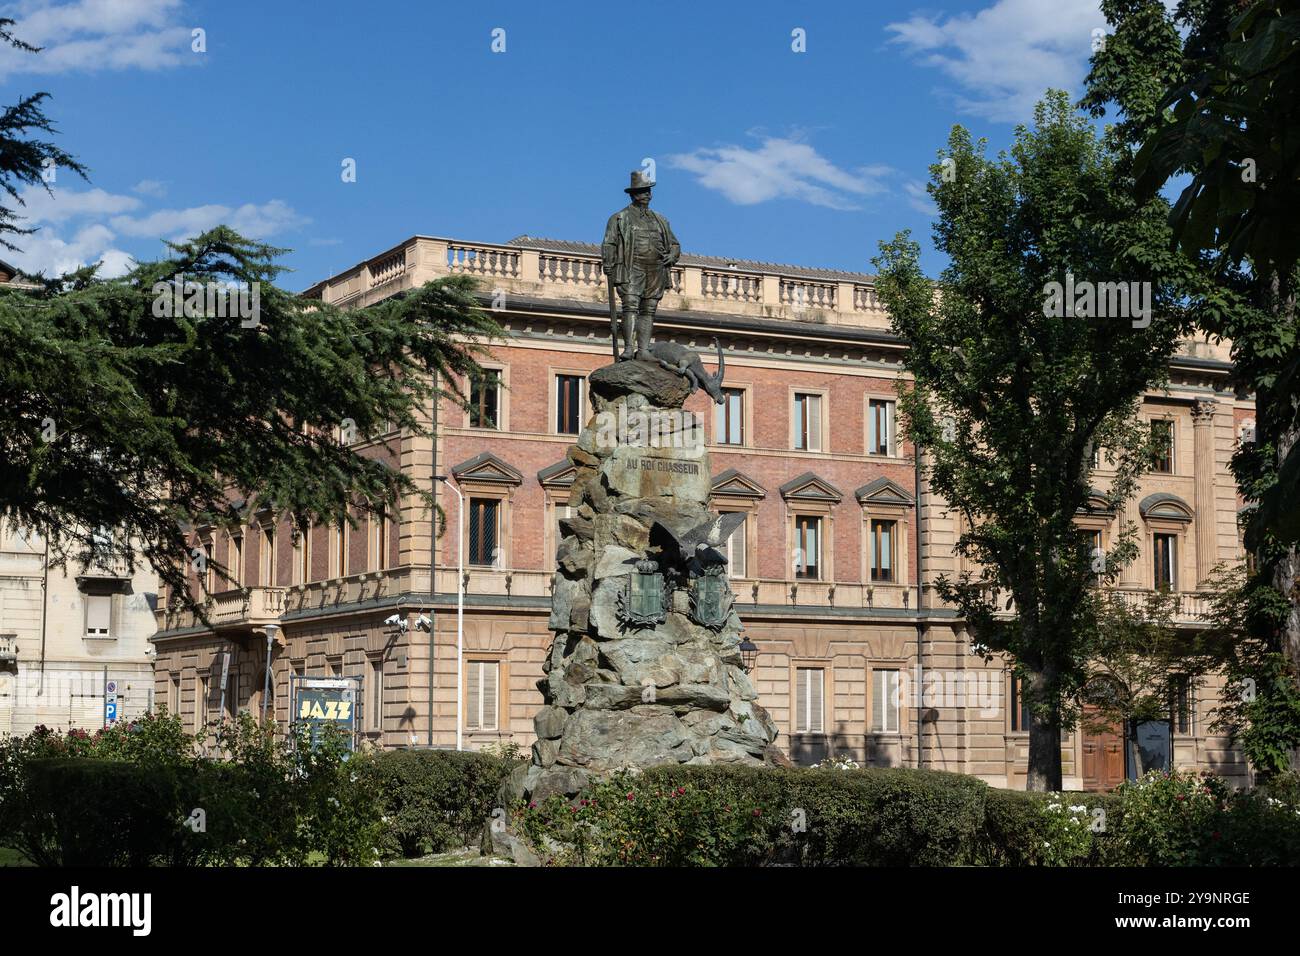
301 556
568 404
481 694
807 421
882 550
729 418
484 532
485 399
733 549
880 427
99 616
884 701
378 541
1165 561
266 558
808 546
810 700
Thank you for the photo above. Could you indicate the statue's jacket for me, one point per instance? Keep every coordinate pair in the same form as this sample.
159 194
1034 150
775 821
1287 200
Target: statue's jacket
618 247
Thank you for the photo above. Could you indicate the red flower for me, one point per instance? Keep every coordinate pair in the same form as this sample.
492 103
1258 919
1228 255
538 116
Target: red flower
532 805
631 795
757 812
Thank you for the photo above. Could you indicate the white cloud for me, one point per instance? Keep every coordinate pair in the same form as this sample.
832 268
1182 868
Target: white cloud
78 228
919 199
90 35
150 187
1004 57
60 205
45 252
780 169
250 219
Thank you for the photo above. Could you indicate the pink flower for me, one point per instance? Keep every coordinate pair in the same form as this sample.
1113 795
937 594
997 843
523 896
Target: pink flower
532 805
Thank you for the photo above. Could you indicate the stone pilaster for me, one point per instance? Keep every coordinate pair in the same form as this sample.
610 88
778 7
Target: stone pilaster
1204 460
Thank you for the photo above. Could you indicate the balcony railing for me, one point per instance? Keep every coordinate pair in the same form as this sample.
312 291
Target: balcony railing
1192 608
239 608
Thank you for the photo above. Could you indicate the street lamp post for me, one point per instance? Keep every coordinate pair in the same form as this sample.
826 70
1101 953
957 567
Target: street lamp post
460 609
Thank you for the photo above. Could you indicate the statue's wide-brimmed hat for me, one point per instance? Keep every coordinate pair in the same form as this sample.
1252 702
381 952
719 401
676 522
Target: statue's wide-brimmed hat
641 181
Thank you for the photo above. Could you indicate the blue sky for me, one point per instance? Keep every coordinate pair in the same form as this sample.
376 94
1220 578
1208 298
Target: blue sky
761 152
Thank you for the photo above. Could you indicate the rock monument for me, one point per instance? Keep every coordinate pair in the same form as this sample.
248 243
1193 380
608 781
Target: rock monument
645 667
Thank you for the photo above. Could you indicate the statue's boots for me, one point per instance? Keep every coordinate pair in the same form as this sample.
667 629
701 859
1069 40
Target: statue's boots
629 331
645 323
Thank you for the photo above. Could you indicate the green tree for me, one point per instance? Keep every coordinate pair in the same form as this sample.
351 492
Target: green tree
1139 659
1010 398
1210 91
117 415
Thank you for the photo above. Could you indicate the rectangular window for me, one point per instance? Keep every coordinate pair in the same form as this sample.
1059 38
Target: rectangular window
174 695
378 541
202 690
266 559
338 549
1183 706
807 422
729 418
884 701
1019 710
733 549
485 400
568 404
481 695
237 561
1165 547
302 556
1162 439
99 616
810 698
808 544
375 697
232 693
484 530
880 427
883 550
208 569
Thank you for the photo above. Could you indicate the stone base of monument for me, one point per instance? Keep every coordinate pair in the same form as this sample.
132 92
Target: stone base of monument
645 668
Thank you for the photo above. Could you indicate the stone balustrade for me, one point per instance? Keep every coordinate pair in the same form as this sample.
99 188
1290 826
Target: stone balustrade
573 271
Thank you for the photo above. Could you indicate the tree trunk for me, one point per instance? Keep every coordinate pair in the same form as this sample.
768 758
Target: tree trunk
1044 740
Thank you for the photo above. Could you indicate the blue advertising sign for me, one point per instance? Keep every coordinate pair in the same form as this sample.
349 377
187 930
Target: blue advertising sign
321 701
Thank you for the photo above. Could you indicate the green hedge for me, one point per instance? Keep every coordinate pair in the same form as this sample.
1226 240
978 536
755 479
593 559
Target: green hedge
82 811
876 817
434 800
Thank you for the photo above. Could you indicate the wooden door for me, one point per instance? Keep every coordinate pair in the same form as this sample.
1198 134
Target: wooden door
1103 758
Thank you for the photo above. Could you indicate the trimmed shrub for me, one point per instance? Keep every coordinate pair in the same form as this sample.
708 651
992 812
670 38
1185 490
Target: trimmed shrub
82 811
684 816
434 800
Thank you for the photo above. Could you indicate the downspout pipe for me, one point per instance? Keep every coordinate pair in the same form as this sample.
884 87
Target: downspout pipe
920 620
433 553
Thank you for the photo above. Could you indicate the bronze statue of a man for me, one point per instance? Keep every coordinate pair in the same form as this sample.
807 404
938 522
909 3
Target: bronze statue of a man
637 255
